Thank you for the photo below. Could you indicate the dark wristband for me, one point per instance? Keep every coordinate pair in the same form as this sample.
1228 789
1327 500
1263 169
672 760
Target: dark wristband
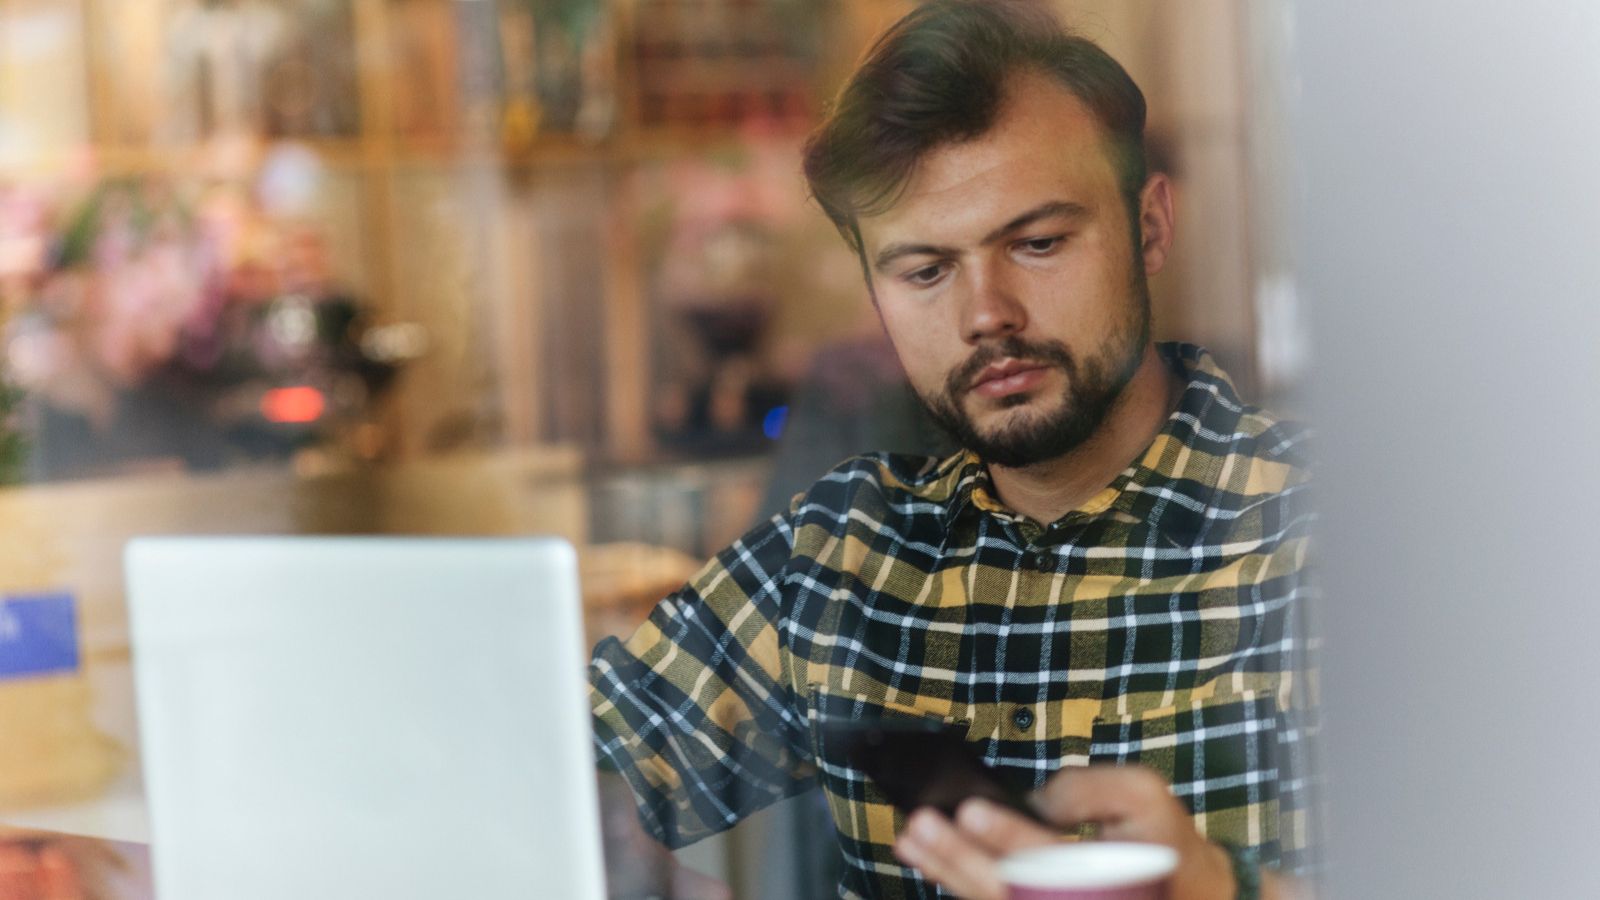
1246 872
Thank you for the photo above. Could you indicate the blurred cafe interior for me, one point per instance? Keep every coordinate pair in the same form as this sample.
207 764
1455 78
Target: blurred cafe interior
486 267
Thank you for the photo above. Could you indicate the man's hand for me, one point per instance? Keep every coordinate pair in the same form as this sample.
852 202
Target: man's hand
1122 803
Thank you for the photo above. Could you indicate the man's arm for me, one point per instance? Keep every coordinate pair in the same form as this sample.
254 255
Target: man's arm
694 711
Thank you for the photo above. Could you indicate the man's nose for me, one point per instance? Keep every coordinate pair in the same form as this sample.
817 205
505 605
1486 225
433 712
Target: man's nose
992 309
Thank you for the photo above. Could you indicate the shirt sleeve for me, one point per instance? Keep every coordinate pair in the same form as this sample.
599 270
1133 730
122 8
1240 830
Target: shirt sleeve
1299 783
694 710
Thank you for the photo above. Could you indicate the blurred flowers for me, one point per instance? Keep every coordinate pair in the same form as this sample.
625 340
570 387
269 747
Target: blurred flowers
178 304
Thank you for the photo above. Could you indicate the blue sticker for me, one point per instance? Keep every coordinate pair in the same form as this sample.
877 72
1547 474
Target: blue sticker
38 635
776 418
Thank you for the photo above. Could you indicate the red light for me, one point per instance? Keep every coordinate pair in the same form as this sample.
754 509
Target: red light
293 405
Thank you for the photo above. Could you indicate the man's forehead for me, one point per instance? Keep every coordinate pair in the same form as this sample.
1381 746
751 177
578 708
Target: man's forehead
1046 145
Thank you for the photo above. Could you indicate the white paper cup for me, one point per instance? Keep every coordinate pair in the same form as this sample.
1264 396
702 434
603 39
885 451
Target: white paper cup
1092 870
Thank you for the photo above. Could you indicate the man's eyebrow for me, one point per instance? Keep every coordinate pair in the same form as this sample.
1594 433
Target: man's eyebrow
1052 209
889 254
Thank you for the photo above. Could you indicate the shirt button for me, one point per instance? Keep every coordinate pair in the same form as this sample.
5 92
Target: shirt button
1022 718
1044 560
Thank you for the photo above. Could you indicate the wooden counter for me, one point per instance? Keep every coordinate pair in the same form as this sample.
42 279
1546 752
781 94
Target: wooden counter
70 536
72 737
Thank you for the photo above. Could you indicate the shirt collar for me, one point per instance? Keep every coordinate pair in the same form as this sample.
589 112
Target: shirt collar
1168 487
1173 485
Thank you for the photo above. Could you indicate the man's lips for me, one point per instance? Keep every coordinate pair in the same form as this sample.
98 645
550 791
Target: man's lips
1009 376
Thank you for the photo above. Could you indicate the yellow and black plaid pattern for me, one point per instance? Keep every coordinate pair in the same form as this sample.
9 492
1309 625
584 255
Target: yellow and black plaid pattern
1158 624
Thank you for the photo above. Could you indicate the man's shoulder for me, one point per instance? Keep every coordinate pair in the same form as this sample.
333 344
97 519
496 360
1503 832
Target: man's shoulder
883 479
1264 435
1264 472
1215 420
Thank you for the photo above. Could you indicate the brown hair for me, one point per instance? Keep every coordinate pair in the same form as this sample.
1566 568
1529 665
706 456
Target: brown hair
939 76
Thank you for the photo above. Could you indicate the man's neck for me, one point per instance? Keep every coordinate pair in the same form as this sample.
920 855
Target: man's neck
1049 490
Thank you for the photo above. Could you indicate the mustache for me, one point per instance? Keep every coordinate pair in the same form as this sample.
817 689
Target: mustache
1052 353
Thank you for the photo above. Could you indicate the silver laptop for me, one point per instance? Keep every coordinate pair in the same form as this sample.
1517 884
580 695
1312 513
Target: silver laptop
364 717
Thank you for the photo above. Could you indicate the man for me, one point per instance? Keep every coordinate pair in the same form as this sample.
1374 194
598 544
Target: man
1107 574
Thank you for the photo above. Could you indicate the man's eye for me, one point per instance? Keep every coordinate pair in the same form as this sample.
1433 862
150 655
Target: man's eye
1041 246
924 276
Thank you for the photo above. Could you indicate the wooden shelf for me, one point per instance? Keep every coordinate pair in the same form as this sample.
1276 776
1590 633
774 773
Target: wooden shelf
420 102
353 154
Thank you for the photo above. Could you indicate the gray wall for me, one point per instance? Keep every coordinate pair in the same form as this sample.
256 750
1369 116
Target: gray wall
1447 241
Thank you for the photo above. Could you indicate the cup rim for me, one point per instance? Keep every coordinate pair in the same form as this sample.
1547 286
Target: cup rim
1121 864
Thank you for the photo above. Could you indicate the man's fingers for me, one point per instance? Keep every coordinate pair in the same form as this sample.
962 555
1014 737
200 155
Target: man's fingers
933 846
1124 803
1001 831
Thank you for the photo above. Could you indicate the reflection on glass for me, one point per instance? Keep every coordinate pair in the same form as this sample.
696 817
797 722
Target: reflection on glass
487 267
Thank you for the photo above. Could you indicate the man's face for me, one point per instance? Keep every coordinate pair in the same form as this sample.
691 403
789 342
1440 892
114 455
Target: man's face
1008 280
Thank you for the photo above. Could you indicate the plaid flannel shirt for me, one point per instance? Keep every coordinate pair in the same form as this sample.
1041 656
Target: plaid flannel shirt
1159 624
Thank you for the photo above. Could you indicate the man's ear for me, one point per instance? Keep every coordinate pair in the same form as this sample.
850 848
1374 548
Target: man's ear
1155 222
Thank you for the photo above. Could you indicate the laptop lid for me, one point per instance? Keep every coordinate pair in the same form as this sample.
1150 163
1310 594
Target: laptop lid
364 717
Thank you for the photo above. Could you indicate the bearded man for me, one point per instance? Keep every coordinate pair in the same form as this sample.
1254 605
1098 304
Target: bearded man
1101 591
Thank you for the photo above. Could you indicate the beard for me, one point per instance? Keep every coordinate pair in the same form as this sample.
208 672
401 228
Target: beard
1093 386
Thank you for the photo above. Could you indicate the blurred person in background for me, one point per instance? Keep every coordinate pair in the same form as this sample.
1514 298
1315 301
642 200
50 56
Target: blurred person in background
1101 589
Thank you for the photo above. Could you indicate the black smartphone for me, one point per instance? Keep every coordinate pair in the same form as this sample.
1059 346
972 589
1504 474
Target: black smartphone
923 762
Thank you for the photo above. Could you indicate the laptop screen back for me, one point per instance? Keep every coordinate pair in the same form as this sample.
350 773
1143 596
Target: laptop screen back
364 717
